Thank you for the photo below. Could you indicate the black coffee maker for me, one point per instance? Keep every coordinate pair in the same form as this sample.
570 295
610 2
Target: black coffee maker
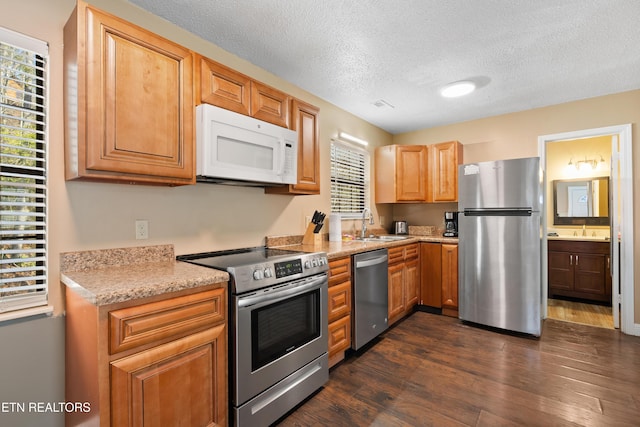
450 224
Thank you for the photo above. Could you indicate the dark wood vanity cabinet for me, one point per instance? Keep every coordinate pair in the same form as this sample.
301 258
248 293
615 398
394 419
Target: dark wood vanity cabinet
580 269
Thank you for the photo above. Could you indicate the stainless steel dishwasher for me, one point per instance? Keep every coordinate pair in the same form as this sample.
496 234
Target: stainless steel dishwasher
370 296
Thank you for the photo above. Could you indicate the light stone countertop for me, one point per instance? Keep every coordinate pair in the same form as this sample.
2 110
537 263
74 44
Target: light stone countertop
116 275
346 248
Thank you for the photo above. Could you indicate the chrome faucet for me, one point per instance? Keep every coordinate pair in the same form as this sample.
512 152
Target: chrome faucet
363 232
584 230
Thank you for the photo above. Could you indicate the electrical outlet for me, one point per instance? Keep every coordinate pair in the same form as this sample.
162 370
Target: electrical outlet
381 221
142 229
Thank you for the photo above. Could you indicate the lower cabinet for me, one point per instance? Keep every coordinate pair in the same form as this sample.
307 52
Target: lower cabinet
157 362
439 277
450 279
339 307
404 280
579 269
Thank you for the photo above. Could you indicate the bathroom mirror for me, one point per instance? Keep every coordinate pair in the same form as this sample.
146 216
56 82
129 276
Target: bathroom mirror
581 201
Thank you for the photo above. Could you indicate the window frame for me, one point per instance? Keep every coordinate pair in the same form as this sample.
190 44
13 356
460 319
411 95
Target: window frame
35 264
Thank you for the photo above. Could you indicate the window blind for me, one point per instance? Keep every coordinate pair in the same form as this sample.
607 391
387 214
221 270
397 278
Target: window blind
23 172
349 166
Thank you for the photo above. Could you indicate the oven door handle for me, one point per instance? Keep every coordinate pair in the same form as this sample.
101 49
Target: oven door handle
283 294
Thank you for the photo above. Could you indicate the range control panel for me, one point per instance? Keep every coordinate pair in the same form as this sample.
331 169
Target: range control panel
255 276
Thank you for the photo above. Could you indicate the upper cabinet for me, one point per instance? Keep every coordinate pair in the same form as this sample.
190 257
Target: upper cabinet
304 120
401 173
445 158
417 173
226 88
129 113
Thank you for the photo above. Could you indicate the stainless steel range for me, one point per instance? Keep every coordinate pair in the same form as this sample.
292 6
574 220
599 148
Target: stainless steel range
278 329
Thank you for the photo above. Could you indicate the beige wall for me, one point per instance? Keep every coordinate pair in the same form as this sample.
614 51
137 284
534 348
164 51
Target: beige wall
516 135
195 218
207 217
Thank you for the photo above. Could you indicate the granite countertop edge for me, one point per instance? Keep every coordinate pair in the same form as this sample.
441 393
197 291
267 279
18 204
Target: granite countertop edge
113 276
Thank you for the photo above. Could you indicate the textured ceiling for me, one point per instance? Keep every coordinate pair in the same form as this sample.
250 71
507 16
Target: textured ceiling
523 54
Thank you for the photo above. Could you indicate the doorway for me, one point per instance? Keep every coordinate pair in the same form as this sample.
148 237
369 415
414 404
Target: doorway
621 200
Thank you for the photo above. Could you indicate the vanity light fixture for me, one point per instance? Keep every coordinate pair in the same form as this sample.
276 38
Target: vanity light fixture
587 165
456 89
347 137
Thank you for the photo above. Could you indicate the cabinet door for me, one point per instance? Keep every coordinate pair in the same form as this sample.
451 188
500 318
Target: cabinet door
412 283
560 265
179 383
396 291
304 120
445 158
450 276
339 335
269 104
224 87
339 301
589 274
411 173
431 274
138 104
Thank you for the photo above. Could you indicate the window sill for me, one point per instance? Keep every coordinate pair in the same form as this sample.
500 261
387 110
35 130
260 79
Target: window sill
27 312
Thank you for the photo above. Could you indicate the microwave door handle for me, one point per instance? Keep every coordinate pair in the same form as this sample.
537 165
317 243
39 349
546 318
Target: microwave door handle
282 157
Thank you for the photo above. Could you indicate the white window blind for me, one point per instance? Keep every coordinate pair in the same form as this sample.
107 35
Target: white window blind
349 179
23 172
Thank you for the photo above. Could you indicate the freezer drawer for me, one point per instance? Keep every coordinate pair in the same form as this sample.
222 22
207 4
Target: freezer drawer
499 271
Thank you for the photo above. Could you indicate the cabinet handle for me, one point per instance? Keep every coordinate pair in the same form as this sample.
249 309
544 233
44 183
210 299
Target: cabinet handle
576 259
608 263
570 259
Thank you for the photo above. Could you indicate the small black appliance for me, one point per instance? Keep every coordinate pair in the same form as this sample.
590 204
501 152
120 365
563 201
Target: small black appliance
450 224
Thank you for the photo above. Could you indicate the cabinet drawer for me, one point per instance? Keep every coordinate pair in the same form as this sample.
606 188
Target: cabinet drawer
339 301
411 251
173 318
339 271
396 254
339 335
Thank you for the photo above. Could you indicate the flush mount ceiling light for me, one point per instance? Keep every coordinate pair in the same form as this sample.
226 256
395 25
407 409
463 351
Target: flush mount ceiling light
456 89
347 137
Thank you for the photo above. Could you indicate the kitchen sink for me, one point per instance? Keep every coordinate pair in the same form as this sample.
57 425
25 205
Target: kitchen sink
383 238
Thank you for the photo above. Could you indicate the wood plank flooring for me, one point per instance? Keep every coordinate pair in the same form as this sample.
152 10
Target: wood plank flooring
432 370
577 312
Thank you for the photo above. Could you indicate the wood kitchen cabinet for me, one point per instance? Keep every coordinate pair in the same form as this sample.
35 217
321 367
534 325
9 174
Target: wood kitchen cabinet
226 88
450 279
401 174
431 274
129 113
579 269
444 159
439 277
304 120
403 280
339 304
417 173
157 361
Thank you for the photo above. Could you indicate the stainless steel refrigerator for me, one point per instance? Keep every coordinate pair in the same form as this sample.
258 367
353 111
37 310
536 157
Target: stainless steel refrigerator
499 265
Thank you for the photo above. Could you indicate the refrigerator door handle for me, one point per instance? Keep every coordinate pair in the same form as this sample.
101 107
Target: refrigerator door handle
499 212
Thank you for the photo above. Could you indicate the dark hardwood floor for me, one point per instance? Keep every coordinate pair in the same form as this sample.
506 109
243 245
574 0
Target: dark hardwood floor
434 370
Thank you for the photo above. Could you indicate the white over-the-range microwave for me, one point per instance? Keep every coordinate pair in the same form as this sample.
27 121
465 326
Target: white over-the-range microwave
233 148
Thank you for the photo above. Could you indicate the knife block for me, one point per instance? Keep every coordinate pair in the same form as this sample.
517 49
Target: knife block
311 238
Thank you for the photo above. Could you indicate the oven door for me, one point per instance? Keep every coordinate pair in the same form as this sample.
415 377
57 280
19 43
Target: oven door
278 331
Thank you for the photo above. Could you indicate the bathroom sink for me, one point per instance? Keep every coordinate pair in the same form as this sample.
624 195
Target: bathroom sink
584 238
